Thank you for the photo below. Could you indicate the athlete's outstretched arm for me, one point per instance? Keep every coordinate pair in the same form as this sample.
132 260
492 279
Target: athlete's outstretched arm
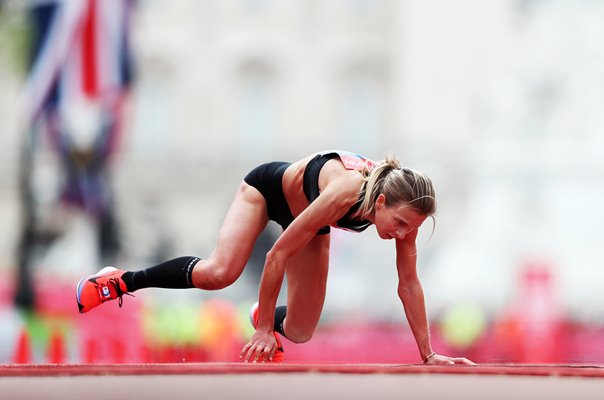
333 203
412 295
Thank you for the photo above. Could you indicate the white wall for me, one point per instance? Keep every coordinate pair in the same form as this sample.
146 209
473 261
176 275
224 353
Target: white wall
498 101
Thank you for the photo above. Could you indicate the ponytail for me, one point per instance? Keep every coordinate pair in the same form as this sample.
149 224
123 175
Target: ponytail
398 185
374 183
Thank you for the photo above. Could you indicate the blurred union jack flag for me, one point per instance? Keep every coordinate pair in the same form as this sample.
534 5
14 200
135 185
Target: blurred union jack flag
78 78
79 73
80 68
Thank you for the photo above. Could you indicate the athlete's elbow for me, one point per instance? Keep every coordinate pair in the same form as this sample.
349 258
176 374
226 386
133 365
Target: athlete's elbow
409 290
403 292
275 258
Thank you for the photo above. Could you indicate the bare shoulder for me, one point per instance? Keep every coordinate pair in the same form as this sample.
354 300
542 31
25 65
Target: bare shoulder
346 183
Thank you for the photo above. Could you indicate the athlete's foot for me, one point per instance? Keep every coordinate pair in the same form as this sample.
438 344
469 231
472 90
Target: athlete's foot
279 355
105 285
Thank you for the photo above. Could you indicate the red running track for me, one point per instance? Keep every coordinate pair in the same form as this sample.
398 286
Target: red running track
300 381
589 371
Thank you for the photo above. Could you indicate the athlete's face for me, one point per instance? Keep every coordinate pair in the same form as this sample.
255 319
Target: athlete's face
396 221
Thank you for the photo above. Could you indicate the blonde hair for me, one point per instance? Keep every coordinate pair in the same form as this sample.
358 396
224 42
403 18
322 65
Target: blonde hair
398 185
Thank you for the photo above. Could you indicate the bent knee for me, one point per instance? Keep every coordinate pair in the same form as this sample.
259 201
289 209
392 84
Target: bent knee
213 277
299 335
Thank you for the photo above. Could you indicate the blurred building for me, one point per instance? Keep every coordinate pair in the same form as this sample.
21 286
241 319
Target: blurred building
498 101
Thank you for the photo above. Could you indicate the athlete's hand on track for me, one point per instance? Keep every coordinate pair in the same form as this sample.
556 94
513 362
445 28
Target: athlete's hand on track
437 359
261 347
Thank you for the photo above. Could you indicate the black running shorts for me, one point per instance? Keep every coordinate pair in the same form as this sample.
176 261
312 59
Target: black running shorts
268 179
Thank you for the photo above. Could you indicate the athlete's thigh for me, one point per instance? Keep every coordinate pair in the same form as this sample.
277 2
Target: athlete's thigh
243 223
306 283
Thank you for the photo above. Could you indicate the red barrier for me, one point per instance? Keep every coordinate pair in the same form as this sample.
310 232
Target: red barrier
22 353
56 347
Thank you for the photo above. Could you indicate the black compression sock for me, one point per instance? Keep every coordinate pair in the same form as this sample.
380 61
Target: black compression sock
171 274
280 313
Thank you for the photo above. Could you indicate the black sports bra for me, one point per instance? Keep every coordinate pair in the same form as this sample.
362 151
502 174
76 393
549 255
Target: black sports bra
311 186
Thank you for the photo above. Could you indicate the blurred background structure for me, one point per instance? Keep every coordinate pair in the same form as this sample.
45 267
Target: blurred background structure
499 102
78 78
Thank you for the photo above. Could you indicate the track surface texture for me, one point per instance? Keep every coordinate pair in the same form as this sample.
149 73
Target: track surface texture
300 381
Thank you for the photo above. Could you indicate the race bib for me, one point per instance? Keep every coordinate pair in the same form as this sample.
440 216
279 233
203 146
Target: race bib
355 161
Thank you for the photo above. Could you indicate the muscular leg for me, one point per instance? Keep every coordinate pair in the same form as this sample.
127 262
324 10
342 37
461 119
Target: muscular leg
306 282
244 222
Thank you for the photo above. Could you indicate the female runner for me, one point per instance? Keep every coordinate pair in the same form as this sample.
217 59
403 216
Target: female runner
329 189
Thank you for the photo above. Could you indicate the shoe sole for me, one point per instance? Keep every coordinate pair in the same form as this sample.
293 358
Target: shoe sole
81 282
252 312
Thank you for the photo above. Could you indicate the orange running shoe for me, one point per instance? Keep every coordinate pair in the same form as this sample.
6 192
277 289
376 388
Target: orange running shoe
94 290
279 355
